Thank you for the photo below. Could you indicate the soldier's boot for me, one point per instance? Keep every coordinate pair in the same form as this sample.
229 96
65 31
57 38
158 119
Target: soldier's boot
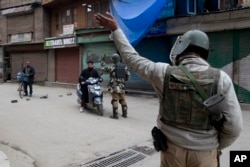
124 111
115 114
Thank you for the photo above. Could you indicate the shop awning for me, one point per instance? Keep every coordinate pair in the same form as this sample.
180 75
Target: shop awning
17 10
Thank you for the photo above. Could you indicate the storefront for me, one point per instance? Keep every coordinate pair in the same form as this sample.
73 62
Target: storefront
19 54
67 59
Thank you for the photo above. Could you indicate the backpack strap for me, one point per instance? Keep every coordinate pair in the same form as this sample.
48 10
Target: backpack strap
194 81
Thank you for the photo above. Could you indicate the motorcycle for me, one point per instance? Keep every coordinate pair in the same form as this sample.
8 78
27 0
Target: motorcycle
95 94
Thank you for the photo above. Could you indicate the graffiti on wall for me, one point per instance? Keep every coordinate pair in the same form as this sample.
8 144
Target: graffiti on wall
98 58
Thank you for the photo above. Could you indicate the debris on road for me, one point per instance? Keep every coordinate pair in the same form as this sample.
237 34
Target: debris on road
14 101
44 97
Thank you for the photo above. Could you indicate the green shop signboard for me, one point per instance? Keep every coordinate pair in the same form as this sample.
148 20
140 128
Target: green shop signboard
52 43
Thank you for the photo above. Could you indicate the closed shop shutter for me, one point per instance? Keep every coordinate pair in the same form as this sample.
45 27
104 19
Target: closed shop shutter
230 52
67 65
243 63
20 24
38 61
221 49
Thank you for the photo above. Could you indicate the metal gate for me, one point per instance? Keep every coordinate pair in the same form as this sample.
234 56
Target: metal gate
229 51
67 65
39 61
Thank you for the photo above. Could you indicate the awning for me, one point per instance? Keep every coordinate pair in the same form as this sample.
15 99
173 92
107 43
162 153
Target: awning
17 10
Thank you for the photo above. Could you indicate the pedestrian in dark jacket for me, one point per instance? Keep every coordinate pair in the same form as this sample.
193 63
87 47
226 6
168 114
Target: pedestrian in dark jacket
29 73
85 74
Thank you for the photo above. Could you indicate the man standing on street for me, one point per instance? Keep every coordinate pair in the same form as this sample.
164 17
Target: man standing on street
119 74
192 135
29 73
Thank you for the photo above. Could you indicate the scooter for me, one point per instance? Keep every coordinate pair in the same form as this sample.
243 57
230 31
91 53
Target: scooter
95 93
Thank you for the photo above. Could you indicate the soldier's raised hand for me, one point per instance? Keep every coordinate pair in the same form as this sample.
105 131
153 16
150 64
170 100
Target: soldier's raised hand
106 21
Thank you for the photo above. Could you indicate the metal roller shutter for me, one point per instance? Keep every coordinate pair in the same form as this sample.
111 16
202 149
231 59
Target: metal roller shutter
243 61
38 61
67 65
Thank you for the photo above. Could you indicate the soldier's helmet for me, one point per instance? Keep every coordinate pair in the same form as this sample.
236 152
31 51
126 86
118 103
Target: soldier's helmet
115 58
192 41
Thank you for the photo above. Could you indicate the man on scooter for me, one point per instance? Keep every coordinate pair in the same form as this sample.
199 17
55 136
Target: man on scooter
85 74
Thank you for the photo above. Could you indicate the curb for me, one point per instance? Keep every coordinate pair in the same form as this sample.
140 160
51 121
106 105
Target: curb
245 106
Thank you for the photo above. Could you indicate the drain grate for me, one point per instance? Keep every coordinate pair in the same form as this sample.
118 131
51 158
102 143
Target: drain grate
123 159
144 149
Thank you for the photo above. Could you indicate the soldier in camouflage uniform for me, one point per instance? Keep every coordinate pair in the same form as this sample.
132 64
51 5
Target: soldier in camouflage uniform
187 130
119 74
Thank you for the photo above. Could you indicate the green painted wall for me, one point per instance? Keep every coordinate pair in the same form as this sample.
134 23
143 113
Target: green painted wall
221 48
96 52
230 52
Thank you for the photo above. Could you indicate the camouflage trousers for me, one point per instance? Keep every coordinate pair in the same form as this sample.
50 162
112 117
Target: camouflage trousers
119 97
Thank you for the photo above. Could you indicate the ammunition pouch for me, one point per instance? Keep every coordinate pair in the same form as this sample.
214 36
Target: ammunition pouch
214 105
159 139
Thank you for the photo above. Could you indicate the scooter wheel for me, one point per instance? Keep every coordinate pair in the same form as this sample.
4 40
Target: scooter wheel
100 109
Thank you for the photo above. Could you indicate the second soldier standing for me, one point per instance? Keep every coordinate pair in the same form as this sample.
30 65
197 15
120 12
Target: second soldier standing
119 74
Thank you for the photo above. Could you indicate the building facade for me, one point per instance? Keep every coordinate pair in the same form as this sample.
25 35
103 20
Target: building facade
23 28
68 20
60 36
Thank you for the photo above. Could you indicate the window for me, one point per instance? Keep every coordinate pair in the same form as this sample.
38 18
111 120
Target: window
68 16
91 7
89 15
63 15
57 21
104 7
191 6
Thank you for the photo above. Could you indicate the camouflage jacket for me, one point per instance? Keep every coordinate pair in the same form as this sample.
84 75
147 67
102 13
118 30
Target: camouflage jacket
154 72
116 85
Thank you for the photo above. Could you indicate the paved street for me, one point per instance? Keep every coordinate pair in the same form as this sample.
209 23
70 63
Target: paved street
51 132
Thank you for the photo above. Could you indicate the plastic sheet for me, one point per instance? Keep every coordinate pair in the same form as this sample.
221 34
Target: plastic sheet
135 17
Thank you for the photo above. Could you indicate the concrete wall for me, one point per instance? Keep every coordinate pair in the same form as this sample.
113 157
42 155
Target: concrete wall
38 24
3 29
51 65
1 65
